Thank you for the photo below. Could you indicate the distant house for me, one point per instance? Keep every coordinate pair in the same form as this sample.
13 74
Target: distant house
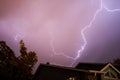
108 71
52 72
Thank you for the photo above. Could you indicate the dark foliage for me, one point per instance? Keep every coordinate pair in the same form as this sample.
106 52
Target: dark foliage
116 61
16 68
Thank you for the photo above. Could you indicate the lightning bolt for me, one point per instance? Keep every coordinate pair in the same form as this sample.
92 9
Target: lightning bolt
53 48
18 36
51 43
86 27
101 7
111 10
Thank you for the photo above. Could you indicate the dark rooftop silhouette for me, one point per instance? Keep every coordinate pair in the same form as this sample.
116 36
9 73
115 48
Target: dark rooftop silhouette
91 66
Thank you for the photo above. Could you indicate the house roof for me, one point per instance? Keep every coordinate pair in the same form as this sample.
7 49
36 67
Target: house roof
54 72
91 66
60 67
110 65
97 66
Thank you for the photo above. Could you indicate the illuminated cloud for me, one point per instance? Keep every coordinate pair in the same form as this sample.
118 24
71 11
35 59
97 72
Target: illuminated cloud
52 28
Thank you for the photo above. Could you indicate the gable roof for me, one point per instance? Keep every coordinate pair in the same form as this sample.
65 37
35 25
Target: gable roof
110 65
97 66
91 66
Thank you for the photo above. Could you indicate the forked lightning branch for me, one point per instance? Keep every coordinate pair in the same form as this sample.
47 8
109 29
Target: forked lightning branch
79 52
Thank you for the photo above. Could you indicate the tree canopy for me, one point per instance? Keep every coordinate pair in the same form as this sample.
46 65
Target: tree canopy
116 61
16 68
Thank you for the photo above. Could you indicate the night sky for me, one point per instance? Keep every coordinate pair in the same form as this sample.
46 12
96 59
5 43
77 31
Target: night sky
63 32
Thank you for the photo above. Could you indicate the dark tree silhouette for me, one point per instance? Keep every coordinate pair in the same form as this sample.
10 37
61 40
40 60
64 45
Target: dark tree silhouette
28 58
116 61
16 68
7 60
